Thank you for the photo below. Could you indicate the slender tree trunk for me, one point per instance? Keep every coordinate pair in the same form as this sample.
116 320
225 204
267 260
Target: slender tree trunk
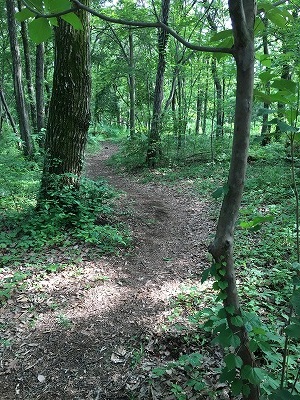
28 69
219 102
153 150
17 76
265 129
242 15
205 103
9 116
69 111
131 87
39 83
198 110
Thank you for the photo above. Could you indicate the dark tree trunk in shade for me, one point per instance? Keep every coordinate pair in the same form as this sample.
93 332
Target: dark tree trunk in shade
153 150
69 110
8 114
17 77
265 129
242 15
198 111
219 98
28 69
39 87
131 86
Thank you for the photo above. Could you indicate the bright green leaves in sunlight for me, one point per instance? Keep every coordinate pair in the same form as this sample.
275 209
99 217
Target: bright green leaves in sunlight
278 16
40 29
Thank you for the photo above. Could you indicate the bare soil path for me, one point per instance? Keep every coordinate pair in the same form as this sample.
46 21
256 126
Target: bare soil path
75 333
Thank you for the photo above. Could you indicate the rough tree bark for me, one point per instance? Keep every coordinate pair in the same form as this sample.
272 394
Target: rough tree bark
153 150
242 14
69 110
17 77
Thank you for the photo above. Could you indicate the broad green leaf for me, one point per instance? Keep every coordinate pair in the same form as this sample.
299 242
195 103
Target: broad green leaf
275 16
227 338
266 76
283 394
222 284
55 6
295 300
252 374
230 310
237 321
285 84
291 115
293 331
258 26
24 14
264 59
73 20
38 4
221 35
284 127
233 361
53 21
227 375
39 30
236 387
296 280
264 111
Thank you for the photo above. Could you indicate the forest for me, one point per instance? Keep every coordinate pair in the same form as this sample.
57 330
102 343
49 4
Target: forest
149 200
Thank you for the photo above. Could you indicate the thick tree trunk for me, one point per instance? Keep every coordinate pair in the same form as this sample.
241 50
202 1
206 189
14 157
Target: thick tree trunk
265 129
17 76
28 69
153 150
242 15
39 85
69 111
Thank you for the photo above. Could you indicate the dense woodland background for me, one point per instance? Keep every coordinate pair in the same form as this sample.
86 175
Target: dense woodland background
172 82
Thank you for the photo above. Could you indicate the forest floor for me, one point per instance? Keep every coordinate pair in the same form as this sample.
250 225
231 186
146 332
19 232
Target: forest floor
95 329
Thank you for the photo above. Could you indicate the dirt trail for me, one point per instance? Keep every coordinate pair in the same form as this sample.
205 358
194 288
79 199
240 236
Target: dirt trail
89 319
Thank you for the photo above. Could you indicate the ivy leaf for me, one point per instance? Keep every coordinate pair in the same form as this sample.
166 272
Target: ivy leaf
73 20
39 30
221 191
237 321
205 275
236 387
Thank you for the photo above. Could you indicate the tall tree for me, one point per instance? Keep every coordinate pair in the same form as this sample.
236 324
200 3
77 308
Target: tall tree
69 110
17 77
39 87
154 134
242 13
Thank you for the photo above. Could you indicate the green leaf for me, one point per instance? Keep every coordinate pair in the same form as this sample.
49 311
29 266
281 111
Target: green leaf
222 284
233 361
264 59
283 394
293 331
285 84
264 111
227 375
37 4
236 387
73 20
222 190
275 16
227 338
205 274
284 127
24 14
39 30
295 300
252 374
53 21
56 6
266 76
221 35
237 321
